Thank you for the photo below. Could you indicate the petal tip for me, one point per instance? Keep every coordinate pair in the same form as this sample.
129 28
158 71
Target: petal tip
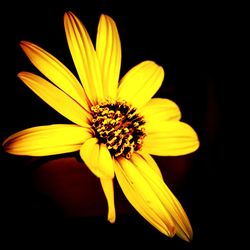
111 219
23 44
21 74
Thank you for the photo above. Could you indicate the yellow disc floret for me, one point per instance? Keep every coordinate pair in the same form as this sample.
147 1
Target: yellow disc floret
119 126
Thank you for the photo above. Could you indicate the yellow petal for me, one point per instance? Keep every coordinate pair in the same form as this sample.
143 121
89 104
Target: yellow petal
140 194
159 109
151 162
170 138
97 158
108 49
56 72
108 189
84 57
56 98
141 83
171 204
47 140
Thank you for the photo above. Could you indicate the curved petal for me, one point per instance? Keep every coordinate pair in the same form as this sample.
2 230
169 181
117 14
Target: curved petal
84 57
108 49
141 195
108 189
97 158
141 83
56 98
47 140
151 162
170 138
160 109
56 72
171 204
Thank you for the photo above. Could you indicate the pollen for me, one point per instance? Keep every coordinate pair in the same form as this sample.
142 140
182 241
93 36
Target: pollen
119 126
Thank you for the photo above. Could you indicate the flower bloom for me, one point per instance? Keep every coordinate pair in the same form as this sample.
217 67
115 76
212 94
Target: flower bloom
117 125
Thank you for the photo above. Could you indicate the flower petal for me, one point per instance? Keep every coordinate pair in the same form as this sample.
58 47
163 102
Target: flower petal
141 195
108 189
171 204
56 72
141 83
97 158
159 109
47 140
151 162
56 98
84 57
170 138
108 49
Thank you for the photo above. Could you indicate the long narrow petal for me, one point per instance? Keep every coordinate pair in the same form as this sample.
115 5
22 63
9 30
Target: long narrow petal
108 49
56 98
170 138
171 204
141 83
160 109
47 140
84 57
97 158
108 189
56 72
140 194
151 162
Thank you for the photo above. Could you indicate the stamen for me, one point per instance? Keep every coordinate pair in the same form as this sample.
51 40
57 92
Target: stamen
117 125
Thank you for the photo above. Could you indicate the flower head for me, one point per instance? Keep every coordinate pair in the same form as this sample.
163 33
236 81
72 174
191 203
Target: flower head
116 124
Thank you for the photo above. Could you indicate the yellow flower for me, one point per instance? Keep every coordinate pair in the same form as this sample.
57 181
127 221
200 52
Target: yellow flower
117 123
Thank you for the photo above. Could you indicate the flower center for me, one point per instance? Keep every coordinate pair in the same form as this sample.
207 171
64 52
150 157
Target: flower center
118 126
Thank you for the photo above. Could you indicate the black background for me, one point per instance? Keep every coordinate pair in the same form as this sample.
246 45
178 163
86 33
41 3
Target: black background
194 44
